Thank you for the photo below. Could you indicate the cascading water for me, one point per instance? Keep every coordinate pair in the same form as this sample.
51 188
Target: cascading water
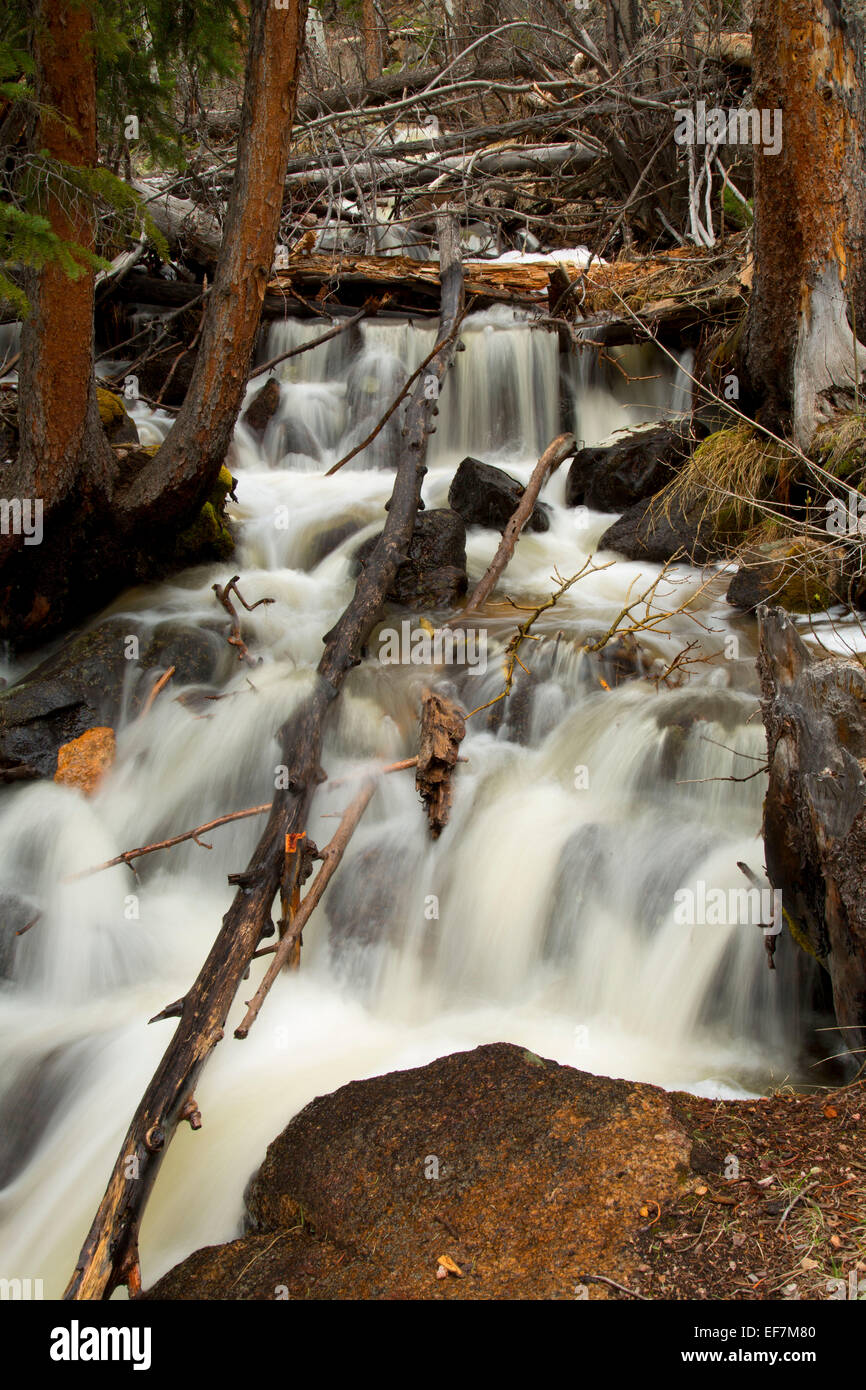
545 914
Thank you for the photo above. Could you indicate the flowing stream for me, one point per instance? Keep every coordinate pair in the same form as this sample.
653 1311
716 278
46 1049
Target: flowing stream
545 915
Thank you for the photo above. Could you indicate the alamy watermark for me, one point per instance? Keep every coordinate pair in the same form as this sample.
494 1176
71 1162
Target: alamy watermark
727 907
22 516
739 125
443 646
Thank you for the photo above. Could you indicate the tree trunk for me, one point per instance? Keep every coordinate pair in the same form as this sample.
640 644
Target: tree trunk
104 529
810 212
64 457
372 41
182 474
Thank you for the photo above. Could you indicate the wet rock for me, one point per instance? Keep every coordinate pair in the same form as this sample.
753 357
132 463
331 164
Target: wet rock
86 682
262 407
636 465
298 438
119 426
434 574
796 573
525 1174
487 496
655 530
83 762
326 542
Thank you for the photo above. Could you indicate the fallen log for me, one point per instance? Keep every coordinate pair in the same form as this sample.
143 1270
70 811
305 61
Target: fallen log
189 229
493 279
109 1256
407 172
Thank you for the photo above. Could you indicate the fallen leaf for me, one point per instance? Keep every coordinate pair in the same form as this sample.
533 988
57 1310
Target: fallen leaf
701 1191
830 1112
806 1263
449 1266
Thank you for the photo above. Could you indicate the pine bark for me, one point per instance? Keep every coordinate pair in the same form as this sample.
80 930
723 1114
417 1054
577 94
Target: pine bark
810 212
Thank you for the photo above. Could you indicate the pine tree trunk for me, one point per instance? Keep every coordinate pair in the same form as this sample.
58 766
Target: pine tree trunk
64 459
810 213
102 529
182 474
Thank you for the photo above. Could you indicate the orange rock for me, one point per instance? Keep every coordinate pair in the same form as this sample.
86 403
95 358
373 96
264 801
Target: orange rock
82 762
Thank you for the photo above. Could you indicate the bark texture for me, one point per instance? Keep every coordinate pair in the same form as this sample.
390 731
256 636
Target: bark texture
810 211
815 809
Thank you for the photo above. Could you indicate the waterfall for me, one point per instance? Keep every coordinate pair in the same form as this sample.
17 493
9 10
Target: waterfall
547 914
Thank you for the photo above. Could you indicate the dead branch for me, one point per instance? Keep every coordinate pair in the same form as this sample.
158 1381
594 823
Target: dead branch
561 448
235 639
331 856
368 308
158 686
523 634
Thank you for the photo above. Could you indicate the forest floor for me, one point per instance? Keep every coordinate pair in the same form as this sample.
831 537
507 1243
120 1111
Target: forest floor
789 1219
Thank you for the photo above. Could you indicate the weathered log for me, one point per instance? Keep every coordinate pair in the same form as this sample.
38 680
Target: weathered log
416 170
814 712
492 279
189 229
109 1255
443 728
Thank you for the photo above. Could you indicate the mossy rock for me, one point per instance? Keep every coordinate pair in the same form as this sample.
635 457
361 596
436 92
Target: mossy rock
118 424
797 574
208 538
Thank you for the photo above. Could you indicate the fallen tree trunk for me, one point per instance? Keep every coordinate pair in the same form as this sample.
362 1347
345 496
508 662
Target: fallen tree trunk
814 712
407 172
109 1256
189 229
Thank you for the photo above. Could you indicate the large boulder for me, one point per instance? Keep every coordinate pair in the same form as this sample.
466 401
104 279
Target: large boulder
84 685
634 466
522 1173
486 496
434 573
796 573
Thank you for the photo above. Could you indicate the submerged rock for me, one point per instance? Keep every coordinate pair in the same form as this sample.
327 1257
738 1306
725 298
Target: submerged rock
84 684
517 1172
434 573
487 496
262 408
634 466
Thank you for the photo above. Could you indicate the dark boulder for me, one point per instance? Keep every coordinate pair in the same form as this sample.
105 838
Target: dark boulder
486 496
522 1173
635 466
262 407
658 529
434 574
90 681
